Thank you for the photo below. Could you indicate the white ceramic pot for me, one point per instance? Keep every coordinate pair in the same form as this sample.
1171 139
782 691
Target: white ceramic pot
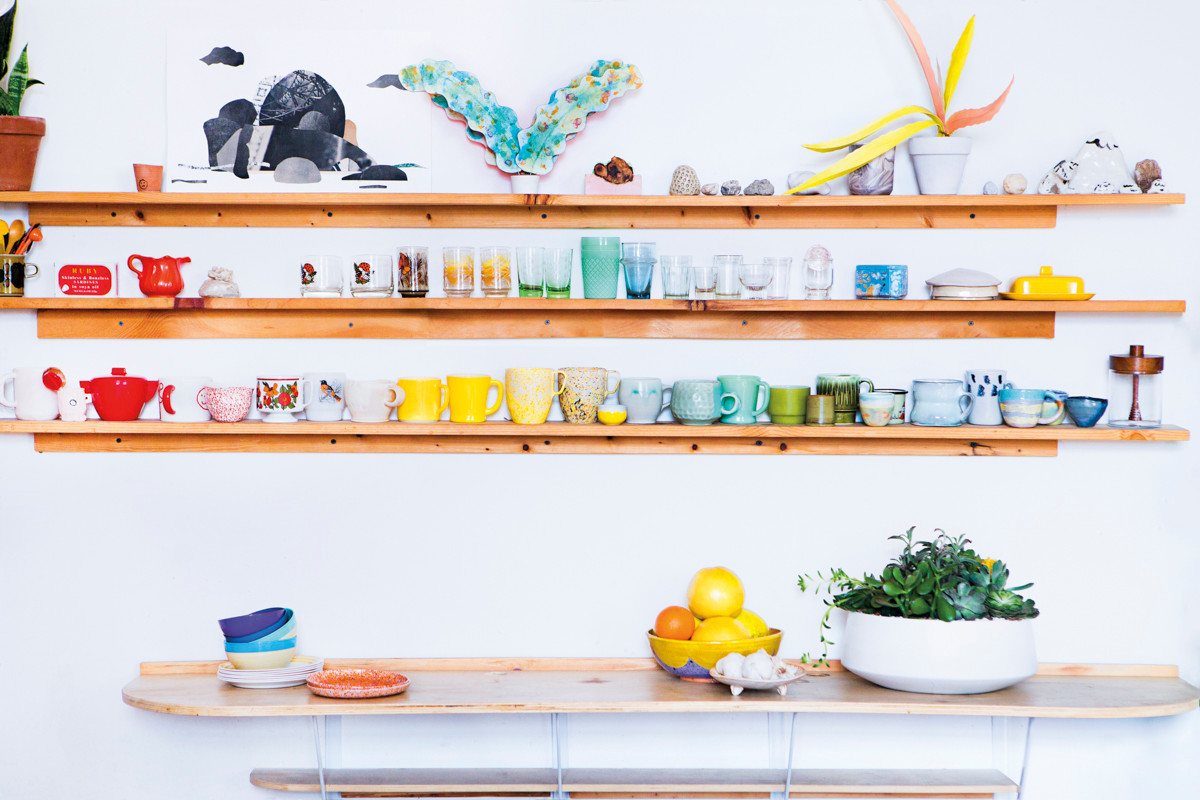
524 184
938 162
935 657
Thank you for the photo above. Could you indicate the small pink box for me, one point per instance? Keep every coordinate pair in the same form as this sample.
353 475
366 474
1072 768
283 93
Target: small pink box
594 184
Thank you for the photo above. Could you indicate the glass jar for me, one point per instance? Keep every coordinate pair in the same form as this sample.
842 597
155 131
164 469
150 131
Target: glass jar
1135 389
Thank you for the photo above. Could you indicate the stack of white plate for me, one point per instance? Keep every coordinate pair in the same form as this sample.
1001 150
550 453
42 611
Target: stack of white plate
294 674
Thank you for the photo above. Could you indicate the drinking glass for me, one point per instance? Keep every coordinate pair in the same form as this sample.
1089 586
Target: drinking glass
372 276
495 271
600 257
755 278
458 271
530 275
676 276
781 276
321 276
818 273
556 267
704 280
412 271
728 286
638 277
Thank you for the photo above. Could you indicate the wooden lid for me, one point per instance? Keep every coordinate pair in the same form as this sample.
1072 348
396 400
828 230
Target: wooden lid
1136 363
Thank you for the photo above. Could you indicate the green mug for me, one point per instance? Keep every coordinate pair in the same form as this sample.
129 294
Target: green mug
788 405
820 410
844 389
753 395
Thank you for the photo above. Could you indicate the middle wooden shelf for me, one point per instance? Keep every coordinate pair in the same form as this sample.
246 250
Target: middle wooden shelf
536 318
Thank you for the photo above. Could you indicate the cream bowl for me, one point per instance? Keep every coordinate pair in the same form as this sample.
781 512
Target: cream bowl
271 659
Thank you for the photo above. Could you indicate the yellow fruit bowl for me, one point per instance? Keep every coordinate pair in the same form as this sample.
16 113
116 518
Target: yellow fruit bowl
691 661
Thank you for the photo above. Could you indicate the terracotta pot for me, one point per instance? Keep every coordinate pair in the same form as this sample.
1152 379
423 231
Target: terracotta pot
20 138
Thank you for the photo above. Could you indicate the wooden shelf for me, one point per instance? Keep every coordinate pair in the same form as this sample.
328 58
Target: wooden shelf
542 686
345 210
529 318
562 437
584 783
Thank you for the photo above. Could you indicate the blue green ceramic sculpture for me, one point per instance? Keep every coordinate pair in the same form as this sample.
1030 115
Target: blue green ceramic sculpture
509 147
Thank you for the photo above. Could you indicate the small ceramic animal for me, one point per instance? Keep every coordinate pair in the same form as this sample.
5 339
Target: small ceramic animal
73 403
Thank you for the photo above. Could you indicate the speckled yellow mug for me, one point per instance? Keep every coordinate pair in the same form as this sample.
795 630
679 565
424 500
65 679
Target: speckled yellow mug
530 392
583 390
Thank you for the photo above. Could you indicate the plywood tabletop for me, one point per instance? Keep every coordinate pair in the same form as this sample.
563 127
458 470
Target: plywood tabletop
615 686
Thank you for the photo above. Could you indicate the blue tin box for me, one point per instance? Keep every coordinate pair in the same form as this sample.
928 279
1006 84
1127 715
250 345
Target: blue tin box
881 281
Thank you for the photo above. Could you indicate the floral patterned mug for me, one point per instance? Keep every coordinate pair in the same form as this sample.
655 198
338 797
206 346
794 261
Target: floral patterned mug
280 399
226 404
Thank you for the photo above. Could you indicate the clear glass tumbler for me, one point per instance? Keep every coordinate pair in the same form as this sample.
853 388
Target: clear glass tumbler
321 276
557 265
530 273
458 271
412 271
495 271
781 276
755 278
728 285
818 273
704 281
676 276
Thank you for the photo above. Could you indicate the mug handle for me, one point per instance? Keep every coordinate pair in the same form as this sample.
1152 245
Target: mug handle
306 397
29 274
140 259
397 397
736 404
499 397
12 376
764 391
868 383
607 374
667 390
443 398
164 396
557 388
1058 409
202 399
964 410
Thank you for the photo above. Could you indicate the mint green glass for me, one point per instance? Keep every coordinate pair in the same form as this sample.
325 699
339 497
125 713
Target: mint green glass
601 260
752 393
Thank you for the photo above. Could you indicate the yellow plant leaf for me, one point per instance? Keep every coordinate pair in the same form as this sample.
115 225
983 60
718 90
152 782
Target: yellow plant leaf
873 149
862 133
959 60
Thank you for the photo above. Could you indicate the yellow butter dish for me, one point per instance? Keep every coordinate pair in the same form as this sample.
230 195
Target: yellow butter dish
1046 286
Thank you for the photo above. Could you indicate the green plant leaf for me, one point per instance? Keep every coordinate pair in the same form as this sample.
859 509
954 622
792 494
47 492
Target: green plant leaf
959 60
845 141
17 80
977 116
918 46
919 607
863 155
7 22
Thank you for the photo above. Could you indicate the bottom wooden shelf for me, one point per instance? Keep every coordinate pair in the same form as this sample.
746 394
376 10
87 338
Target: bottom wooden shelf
585 783
561 437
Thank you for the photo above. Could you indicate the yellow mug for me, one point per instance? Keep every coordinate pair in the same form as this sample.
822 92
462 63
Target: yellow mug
424 400
531 392
468 397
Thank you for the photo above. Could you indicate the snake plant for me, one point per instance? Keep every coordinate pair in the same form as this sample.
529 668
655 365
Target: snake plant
18 79
941 91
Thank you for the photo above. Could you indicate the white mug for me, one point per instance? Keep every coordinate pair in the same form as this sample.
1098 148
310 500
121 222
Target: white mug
372 401
281 399
941 403
984 385
329 396
31 399
73 403
179 400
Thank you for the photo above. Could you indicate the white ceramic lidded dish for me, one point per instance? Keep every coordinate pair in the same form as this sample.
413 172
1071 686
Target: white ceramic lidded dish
963 284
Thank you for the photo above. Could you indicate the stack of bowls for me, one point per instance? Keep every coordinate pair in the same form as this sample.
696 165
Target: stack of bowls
265 639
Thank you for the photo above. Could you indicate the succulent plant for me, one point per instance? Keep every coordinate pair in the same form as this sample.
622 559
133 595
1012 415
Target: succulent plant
511 148
18 79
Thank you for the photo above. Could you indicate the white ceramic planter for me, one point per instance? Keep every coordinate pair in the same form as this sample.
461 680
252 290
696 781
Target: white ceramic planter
935 657
938 162
524 184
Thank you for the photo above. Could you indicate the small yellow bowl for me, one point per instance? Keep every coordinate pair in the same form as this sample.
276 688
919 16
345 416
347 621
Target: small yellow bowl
612 415
692 660
272 659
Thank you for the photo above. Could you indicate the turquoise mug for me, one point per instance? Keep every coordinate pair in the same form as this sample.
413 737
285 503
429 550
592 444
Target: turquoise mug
753 395
701 402
1028 408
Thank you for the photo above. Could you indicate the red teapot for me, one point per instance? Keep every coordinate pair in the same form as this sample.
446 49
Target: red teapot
118 396
159 277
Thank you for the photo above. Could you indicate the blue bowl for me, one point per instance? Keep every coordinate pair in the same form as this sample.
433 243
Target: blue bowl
259 647
1086 411
281 628
249 624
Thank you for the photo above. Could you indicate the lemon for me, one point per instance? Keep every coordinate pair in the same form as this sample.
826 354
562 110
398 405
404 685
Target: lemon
754 623
715 592
720 629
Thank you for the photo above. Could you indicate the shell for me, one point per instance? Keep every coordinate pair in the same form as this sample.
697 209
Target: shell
1015 183
685 181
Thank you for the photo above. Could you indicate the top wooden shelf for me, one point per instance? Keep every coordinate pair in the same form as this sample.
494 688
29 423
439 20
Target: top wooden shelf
168 209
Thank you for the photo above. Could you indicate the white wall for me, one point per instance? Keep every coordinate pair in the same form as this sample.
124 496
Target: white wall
107 561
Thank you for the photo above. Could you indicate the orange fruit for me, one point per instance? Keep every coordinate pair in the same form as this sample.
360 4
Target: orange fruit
715 592
720 629
674 622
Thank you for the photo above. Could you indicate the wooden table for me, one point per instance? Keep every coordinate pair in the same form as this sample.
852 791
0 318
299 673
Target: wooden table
576 686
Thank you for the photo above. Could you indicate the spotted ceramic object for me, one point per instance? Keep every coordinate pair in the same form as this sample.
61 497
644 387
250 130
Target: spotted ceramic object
685 181
350 684
229 404
530 392
583 389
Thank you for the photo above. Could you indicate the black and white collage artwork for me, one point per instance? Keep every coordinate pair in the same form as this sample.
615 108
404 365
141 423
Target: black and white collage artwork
291 112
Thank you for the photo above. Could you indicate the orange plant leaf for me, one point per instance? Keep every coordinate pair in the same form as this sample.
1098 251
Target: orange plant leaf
935 89
976 116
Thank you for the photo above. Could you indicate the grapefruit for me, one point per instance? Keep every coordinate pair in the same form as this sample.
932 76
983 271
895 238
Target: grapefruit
754 623
674 622
715 592
720 629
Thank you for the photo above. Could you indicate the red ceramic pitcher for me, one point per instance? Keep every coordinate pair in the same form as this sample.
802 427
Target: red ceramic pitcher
159 277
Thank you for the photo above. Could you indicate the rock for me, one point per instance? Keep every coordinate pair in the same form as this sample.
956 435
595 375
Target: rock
762 186
616 171
1015 184
685 181
876 177
1146 173
991 188
297 170
710 188
731 188
219 284
800 176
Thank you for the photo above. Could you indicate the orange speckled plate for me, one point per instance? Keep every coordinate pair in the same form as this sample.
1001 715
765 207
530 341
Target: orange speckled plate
349 684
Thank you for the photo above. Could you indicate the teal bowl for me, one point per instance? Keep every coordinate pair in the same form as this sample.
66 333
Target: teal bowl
260 646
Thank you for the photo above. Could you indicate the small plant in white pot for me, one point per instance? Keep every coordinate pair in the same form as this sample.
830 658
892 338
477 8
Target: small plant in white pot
938 160
939 619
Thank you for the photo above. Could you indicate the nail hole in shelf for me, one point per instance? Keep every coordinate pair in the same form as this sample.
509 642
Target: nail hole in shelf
118 440
525 447
543 216
330 213
972 216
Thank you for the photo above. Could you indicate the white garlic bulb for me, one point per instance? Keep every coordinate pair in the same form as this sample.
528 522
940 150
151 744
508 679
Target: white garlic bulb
731 666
